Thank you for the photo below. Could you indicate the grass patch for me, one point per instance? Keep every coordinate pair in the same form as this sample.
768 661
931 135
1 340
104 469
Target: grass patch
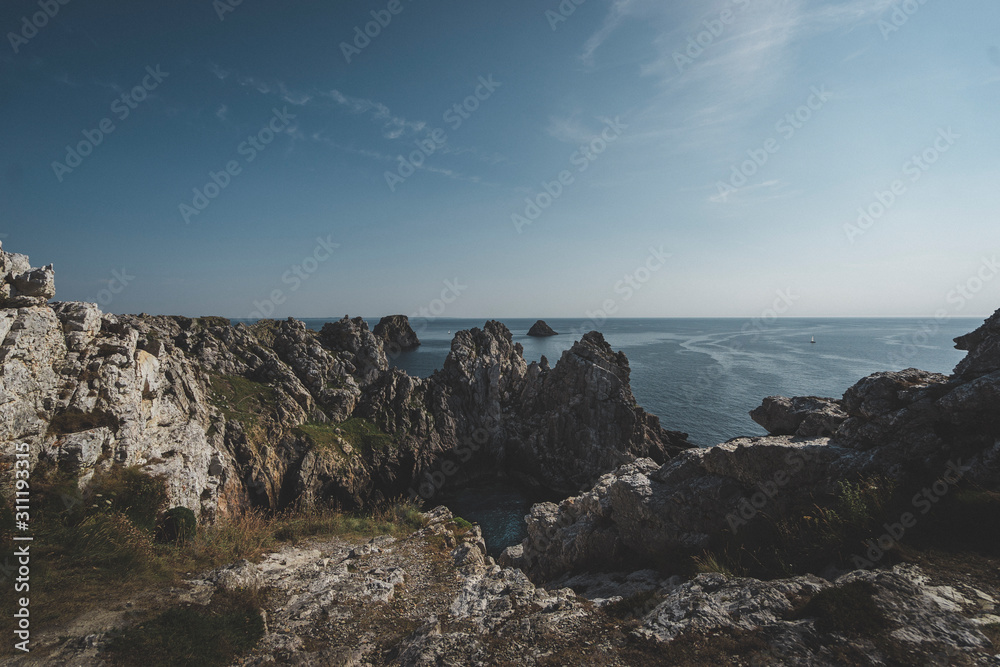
848 610
397 520
179 524
322 436
462 524
364 437
241 399
721 563
210 636
76 421
90 555
131 492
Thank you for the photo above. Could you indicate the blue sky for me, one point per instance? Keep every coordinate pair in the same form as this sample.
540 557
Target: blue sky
656 158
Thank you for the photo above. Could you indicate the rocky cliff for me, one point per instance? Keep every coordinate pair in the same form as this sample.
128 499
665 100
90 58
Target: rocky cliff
275 414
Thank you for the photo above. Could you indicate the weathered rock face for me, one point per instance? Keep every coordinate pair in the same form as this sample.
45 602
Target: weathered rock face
643 513
540 329
22 286
983 346
275 414
807 416
396 333
488 409
364 349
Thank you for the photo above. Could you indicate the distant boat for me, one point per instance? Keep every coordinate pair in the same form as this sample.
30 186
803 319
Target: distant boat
813 341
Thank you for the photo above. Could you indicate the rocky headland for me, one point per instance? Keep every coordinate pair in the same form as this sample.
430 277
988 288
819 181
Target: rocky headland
274 414
809 546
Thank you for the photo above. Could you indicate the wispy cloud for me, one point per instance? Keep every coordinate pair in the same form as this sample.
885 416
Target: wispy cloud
322 138
296 98
770 185
393 126
258 84
219 72
738 72
620 9
569 129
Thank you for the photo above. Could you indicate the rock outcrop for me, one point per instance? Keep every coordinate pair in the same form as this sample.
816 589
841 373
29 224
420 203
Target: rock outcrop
806 416
983 346
541 329
489 410
396 333
21 285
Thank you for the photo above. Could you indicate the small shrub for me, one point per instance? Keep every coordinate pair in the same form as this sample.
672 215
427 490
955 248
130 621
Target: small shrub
134 493
409 515
847 609
236 538
178 525
723 564
863 502
462 523
110 541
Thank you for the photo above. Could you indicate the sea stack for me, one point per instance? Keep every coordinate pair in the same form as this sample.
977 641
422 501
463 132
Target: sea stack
541 329
396 331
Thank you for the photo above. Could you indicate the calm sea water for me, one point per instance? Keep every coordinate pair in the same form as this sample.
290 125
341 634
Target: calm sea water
702 376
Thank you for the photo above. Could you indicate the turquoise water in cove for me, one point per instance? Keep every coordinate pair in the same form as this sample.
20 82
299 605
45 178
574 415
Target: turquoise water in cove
702 376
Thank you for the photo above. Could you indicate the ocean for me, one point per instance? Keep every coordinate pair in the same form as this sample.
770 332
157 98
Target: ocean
700 376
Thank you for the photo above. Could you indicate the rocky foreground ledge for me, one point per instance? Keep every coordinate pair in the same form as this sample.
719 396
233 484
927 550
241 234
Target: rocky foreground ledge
435 598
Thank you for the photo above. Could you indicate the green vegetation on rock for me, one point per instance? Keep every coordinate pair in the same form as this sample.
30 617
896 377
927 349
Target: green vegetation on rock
241 399
363 437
